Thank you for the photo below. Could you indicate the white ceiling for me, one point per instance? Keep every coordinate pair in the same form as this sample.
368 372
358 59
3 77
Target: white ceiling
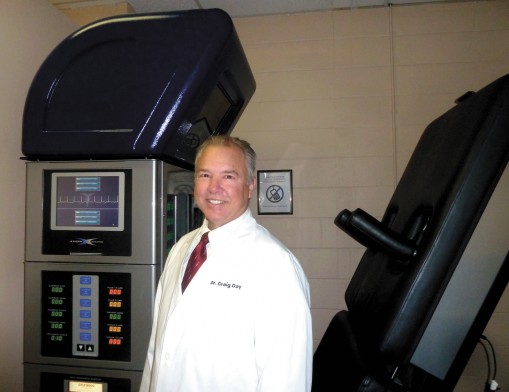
259 7
239 8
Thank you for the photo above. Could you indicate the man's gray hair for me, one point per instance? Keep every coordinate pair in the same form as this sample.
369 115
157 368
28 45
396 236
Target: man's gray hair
230 141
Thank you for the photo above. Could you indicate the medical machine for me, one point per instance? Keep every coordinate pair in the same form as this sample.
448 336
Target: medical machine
111 125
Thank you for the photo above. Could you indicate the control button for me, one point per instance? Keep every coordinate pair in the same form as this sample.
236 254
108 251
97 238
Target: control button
85 325
85 303
85 291
90 348
86 314
80 347
85 279
85 337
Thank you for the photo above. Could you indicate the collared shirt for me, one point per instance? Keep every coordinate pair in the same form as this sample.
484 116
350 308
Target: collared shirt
243 323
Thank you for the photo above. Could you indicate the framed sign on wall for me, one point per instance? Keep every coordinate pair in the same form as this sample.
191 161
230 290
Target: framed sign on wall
275 192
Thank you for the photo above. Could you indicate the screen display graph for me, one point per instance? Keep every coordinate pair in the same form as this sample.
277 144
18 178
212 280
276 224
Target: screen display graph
87 201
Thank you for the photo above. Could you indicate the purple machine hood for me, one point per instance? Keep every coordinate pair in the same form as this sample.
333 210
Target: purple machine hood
138 86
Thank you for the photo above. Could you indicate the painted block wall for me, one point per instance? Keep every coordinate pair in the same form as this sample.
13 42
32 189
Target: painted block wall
29 30
342 99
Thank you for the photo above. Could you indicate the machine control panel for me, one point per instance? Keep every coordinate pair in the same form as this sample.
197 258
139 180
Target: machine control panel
86 315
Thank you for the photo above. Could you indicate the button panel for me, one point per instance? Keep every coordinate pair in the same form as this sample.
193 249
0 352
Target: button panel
85 315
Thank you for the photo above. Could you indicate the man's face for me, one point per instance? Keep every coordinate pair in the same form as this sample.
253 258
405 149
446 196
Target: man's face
221 190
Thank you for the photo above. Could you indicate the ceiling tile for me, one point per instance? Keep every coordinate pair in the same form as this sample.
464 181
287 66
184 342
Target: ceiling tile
142 6
267 7
239 8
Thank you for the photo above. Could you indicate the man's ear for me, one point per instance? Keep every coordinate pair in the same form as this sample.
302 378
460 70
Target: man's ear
252 187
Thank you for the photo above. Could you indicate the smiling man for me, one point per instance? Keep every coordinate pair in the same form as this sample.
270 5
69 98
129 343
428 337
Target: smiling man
223 182
240 322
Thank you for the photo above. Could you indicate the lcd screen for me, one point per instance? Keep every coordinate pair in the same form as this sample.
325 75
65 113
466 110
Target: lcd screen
215 109
84 386
87 201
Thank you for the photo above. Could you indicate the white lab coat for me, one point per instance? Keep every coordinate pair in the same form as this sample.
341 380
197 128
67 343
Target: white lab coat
243 323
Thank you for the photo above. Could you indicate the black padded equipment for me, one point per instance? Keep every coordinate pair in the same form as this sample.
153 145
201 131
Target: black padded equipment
413 254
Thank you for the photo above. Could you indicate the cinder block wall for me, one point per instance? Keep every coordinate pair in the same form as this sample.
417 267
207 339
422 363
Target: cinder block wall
342 98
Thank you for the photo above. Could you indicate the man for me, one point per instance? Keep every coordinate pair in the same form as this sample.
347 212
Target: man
242 323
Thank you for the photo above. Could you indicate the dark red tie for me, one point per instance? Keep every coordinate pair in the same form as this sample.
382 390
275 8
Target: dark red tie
197 258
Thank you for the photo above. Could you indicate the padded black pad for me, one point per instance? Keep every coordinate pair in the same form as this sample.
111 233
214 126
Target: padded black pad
436 206
338 360
338 349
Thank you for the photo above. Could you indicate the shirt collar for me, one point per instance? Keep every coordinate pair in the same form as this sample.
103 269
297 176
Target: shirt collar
226 231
